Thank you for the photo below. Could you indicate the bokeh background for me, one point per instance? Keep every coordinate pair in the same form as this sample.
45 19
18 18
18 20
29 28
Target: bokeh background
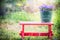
14 11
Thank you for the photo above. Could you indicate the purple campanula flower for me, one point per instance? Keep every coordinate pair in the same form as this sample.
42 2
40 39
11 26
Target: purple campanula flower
48 7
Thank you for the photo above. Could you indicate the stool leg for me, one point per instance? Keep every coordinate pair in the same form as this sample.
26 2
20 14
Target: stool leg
22 38
49 36
50 32
22 32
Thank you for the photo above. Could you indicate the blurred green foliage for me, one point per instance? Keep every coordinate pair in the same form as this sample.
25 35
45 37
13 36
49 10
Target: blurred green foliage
23 16
57 23
18 16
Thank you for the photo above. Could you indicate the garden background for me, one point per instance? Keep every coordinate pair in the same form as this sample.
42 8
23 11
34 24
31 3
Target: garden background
14 11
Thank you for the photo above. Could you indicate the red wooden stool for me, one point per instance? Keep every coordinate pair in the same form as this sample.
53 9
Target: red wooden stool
22 33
